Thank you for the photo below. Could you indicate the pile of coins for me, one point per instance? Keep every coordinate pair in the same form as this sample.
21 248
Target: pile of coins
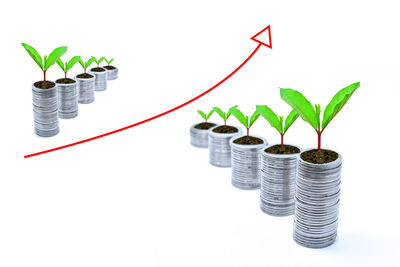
278 176
100 83
220 148
85 89
317 200
198 137
45 109
246 164
67 95
112 74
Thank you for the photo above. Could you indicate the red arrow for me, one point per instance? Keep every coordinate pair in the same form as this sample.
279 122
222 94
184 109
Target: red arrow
166 112
262 33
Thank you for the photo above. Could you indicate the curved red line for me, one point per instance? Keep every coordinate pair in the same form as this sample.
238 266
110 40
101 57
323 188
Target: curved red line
149 119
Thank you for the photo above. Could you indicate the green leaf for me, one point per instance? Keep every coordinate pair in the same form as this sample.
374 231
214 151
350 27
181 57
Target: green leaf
318 114
337 103
82 63
101 59
109 62
270 116
239 116
61 64
220 112
298 101
253 118
202 114
51 59
210 113
94 59
229 112
72 62
34 54
89 62
292 117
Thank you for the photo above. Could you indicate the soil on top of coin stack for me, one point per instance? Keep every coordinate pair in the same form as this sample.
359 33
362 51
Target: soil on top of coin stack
225 129
286 149
248 140
204 125
85 76
109 67
44 85
65 81
319 157
98 69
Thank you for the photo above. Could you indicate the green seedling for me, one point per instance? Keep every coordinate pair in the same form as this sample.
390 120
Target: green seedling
224 115
47 61
307 112
245 120
98 61
86 64
108 61
204 116
66 66
277 122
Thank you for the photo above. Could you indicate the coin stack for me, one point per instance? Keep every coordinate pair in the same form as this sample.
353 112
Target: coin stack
246 164
198 137
45 111
278 175
101 79
317 200
85 88
112 74
220 148
67 95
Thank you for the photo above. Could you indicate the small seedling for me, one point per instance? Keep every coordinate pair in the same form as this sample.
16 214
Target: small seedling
66 66
109 61
98 61
47 61
307 112
245 120
277 122
86 64
204 116
224 115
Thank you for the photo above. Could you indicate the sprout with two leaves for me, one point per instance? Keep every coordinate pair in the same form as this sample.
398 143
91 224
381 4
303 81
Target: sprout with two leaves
245 120
108 61
98 61
85 65
277 122
224 115
66 66
313 116
204 116
47 61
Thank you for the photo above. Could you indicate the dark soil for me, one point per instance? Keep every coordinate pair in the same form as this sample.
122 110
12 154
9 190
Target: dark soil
44 85
85 76
319 157
286 149
98 69
225 129
248 140
204 125
109 67
65 81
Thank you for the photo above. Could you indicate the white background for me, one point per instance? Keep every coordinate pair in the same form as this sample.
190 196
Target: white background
145 197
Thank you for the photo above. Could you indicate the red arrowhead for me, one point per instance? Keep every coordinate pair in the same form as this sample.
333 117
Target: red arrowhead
263 36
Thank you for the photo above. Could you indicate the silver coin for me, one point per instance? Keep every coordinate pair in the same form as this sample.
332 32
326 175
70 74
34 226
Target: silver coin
199 137
317 198
85 87
67 95
101 79
112 74
45 111
220 148
246 164
278 175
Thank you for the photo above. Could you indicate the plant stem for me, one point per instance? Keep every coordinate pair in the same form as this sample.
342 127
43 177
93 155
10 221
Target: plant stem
224 122
319 140
44 75
248 131
65 75
84 70
282 139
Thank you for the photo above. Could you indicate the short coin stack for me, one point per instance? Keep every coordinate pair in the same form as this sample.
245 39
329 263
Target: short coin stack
317 203
101 79
278 175
198 137
85 89
220 148
246 164
67 100
45 111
